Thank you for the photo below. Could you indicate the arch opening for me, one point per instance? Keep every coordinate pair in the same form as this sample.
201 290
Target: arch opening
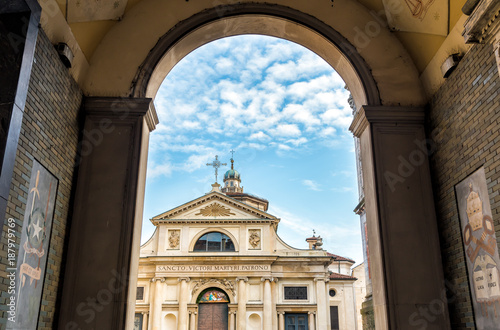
275 21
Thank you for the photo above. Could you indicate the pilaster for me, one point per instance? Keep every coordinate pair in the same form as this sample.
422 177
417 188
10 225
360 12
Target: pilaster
103 249
241 320
407 275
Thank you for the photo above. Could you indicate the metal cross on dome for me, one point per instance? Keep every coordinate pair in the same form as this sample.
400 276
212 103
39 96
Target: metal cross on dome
216 164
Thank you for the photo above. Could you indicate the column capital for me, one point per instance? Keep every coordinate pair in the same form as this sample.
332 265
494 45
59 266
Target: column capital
387 115
187 279
161 279
267 278
317 279
245 279
122 108
145 313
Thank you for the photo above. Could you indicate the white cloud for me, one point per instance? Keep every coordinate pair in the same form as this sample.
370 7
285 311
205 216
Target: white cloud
311 185
157 170
286 130
297 142
259 136
284 147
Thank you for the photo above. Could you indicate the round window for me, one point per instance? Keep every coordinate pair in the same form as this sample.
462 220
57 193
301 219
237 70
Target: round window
332 293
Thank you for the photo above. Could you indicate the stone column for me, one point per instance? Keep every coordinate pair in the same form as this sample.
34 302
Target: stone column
192 320
241 320
103 249
281 320
321 304
145 320
312 324
157 303
232 316
183 302
274 295
268 304
401 222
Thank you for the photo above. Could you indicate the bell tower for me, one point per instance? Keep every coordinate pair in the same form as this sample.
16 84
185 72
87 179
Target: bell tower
232 180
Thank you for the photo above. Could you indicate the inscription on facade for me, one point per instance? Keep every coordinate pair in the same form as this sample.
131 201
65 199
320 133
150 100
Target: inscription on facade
212 268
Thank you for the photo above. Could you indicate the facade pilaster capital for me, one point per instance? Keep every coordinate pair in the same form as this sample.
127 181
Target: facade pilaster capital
281 313
187 279
244 279
317 279
161 279
267 278
385 115
145 313
311 313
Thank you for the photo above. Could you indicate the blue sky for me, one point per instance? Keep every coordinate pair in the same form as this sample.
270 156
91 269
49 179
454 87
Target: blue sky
284 111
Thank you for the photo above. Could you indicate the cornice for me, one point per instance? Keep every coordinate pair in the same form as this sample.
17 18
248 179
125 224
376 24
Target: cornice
393 115
484 22
209 197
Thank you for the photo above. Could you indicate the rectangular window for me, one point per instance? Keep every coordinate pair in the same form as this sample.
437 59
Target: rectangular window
334 317
295 292
140 293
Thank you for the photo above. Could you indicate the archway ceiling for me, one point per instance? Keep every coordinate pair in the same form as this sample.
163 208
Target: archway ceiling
421 47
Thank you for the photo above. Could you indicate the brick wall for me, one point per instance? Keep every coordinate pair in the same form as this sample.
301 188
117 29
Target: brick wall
464 117
49 134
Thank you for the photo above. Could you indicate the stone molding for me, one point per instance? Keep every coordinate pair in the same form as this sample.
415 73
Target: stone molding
122 108
392 115
484 22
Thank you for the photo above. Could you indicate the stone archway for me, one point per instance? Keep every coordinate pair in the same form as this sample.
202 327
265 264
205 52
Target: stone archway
385 85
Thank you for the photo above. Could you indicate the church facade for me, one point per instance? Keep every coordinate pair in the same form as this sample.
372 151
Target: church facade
217 263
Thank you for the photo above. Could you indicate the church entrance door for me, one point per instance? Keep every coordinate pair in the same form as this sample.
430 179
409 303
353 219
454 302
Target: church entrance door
212 317
212 310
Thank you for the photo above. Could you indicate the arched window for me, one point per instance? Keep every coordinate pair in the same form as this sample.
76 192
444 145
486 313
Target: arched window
214 241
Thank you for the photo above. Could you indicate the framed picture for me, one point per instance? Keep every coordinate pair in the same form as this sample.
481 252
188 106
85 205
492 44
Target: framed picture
34 248
481 250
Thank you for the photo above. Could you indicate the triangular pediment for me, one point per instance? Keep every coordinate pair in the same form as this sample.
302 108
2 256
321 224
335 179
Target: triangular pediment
214 206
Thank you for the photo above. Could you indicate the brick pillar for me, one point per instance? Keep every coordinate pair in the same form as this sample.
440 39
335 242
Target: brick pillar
18 35
405 256
103 252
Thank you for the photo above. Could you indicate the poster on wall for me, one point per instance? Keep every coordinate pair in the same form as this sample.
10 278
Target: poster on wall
33 248
481 250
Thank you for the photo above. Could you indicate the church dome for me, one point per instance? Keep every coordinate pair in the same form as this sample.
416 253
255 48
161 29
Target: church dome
232 174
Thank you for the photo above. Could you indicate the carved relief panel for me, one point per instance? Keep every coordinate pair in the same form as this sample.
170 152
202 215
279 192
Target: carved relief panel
254 239
174 239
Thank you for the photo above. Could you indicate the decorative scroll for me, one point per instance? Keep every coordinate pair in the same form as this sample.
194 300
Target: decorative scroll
32 257
214 296
228 285
215 210
481 249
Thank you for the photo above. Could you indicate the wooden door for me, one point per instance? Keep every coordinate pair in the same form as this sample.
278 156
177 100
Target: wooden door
212 317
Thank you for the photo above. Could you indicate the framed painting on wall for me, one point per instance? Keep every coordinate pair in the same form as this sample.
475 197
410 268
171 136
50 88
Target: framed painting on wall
481 250
34 248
